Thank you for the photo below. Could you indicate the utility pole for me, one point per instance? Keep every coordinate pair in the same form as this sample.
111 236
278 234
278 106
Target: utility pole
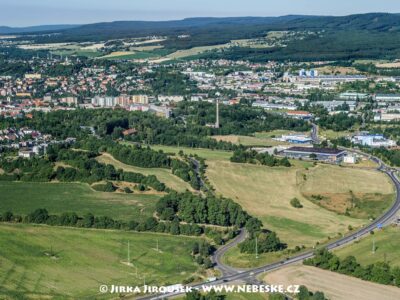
373 246
217 114
256 249
129 255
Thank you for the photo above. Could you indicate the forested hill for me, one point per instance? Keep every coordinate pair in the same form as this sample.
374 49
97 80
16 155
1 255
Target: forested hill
363 36
232 28
33 29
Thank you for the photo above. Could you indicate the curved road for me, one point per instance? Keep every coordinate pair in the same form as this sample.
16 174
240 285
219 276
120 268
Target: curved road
231 274
217 257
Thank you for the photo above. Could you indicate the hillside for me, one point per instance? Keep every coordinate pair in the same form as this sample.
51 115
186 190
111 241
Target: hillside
364 36
33 29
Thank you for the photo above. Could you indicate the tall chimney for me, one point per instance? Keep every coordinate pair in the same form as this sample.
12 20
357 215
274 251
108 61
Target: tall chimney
217 117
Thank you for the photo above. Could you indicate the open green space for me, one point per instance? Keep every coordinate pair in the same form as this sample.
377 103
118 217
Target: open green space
164 175
387 248
207 154
41 262
25 197
266 193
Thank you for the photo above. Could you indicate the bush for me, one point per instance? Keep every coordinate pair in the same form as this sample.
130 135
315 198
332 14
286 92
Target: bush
296 203
104 187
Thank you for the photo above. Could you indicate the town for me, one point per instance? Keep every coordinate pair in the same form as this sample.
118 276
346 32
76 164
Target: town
189 159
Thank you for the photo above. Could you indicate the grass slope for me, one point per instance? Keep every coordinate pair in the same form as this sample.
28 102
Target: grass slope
387 247
266 193
85 259
164 175
25 197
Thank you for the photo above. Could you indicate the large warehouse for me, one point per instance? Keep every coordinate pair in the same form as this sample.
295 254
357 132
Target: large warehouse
322 154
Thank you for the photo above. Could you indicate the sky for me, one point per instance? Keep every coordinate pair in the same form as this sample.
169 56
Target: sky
19 13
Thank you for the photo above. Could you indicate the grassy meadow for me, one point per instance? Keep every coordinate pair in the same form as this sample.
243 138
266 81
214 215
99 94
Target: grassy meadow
266 193
164 175
25 197
387 248
41 262
208 154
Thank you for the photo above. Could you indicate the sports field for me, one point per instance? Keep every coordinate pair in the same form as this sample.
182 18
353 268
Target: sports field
164 175
387 248
25 197
41 262
335 286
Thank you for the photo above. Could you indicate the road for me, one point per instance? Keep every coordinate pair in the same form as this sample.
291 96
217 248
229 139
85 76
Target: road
314 134
231 274
217 257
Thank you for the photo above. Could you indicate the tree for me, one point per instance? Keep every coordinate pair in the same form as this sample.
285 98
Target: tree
296 203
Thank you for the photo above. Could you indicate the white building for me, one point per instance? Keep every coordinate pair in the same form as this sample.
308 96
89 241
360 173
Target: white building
173 98
373 140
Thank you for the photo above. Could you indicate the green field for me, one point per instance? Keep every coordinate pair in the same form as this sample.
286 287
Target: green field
207 154
387 247
25 197
41 262
164 175
266 193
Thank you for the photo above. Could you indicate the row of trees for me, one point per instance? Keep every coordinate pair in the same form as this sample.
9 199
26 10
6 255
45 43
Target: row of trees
252 157
379 272
147 158
72 219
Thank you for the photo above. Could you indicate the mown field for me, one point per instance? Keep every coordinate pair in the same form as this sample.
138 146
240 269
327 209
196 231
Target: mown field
25 197
335 286
266 193
387 248
164 175
359 192
40 262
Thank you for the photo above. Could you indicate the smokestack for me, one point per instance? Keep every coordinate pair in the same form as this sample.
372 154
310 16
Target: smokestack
217 116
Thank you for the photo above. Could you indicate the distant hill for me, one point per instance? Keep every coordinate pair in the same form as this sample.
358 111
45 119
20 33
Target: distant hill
373 35
237 27
33 29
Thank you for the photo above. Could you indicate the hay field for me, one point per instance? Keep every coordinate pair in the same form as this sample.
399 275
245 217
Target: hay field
266 193
335 286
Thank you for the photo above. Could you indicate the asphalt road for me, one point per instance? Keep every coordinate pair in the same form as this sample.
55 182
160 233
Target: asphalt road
231 274
217 257
314 133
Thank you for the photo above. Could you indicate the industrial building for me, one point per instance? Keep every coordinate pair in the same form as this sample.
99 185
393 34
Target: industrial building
295 139
387 97
373 140
321 154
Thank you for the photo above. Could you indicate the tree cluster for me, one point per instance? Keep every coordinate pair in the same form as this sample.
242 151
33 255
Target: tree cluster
252 157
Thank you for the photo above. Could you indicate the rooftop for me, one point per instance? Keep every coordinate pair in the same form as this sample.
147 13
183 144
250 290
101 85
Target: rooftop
315 150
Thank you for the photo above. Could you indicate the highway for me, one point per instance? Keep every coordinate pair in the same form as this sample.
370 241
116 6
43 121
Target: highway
230 274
